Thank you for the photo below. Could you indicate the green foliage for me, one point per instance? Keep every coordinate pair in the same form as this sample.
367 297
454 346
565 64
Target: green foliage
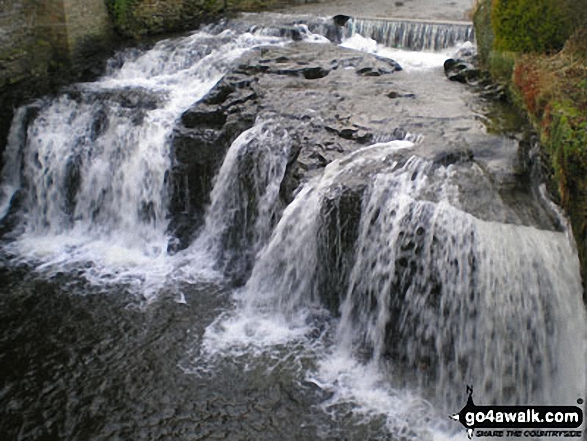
531 25
483 30
252 5
516 39
121 11
501 66
568 138
137 18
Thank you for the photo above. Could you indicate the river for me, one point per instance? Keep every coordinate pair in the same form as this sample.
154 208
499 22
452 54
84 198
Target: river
368 242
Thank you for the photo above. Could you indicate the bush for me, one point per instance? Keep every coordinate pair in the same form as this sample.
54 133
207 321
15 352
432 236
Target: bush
501 66
532 25
483 29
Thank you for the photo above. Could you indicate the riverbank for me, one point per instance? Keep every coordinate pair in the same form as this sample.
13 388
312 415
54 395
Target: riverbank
549 86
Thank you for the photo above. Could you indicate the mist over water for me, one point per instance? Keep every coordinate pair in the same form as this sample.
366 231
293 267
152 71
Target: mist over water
371 299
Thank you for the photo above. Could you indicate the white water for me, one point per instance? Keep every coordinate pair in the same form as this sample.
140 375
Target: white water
409 60
412 35
245 201
493 305
11 179
95 192
458 300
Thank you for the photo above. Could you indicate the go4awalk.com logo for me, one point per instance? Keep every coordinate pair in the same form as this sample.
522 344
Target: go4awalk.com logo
520 421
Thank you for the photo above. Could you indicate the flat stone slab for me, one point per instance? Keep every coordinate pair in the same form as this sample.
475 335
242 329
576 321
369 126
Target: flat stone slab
435 10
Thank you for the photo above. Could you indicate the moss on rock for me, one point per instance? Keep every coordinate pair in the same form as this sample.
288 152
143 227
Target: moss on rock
135 18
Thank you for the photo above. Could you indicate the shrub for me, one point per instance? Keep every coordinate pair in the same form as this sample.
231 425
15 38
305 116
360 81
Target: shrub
483 29
501 66
532 25
120 8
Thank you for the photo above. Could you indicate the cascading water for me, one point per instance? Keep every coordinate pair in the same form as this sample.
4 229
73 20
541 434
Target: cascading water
97 191
432 290
429 296
376 295
443 292
245 203
411 34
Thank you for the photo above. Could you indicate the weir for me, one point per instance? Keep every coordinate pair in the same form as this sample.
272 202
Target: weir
411 34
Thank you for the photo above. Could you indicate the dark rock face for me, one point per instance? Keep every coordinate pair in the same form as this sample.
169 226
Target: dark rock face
306 87
336 244
461 71
200 142
341 20
464 70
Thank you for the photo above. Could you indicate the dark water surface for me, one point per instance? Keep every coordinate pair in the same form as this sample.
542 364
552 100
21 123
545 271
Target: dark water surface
79 364
98 366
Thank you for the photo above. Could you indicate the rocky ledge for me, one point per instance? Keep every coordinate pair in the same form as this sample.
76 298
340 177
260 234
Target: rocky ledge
332 101
311 89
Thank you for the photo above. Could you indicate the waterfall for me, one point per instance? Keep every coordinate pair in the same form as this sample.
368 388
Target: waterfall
388 282
445 293
298 232
411 34
245 203
92 163
11 178
448 299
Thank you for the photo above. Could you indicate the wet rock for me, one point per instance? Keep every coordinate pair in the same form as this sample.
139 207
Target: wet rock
373 71
394 95
353 133
494 91
378 66
210 117
252 69
314 73
336 243
306 87
453 157
461 71
309 73
130 97
347 133
394 65
200 141
341 20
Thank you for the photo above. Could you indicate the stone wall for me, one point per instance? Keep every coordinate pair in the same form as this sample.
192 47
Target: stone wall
89 28
22 54
44 44
147 17
38 37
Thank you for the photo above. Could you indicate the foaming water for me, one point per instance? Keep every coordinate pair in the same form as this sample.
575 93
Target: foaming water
434 300
411 34
374 285
409 60
11 179
445 292
96 191
245 203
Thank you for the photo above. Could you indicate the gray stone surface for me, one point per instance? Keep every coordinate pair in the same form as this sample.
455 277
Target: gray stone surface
450 10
